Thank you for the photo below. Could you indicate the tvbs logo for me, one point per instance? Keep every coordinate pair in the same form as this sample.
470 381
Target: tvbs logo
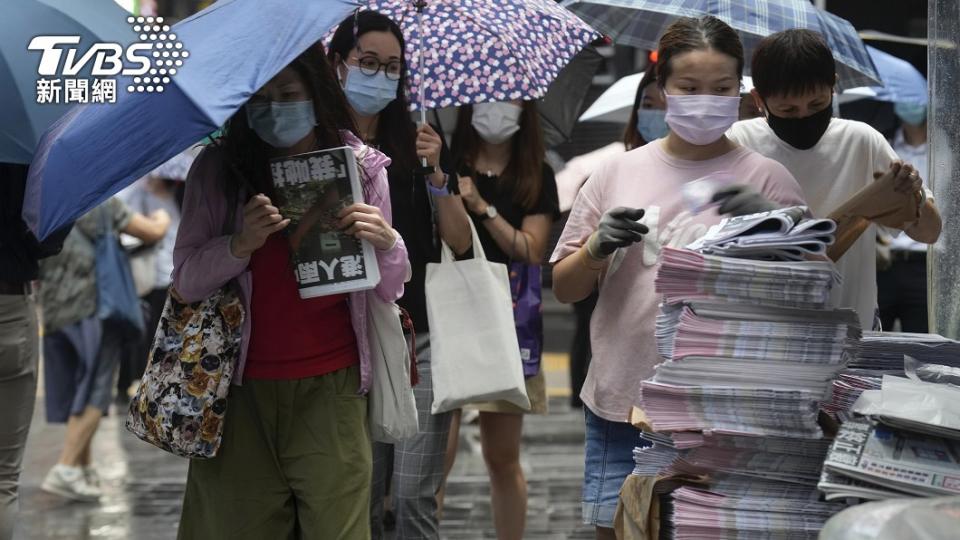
151 61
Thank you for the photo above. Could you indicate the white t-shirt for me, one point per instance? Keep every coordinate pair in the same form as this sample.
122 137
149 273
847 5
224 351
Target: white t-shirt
840 164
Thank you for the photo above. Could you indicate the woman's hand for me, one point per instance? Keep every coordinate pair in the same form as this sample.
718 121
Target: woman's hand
260 220
429 145
367 223
473 200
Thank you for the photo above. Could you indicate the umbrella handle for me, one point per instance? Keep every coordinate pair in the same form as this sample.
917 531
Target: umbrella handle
420 4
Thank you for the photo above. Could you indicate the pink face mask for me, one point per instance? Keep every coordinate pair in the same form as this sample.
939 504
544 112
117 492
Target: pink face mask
701 119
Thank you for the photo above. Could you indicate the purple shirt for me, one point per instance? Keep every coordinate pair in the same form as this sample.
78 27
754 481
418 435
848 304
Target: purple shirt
203 262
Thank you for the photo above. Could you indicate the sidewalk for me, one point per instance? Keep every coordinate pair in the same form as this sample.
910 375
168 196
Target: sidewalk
144 486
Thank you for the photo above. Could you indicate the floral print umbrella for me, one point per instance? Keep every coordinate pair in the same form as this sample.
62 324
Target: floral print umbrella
473 51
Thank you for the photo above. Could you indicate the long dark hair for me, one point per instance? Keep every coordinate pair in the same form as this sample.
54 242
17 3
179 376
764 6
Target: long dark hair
688 34
524 173
396 135
246 158
631 135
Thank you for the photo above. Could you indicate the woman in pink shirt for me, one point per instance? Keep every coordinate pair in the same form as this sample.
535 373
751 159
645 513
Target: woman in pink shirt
295 458
627 211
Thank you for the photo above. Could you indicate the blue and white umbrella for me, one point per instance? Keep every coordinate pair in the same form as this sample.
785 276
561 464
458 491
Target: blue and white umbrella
901 81
22 118
235 47
640 23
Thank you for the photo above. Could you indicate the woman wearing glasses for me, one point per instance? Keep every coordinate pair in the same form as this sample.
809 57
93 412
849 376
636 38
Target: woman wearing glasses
367 51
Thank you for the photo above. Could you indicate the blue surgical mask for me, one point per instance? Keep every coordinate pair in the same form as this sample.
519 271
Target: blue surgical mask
652 124
914 114
281 124
369 94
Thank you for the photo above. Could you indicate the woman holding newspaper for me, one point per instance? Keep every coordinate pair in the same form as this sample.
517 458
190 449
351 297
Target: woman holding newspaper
295 454
628 210
367 53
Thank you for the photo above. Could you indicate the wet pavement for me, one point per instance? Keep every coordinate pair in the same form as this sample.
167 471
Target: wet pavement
143 486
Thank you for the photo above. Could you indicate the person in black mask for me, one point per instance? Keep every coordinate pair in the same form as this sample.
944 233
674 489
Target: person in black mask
794 75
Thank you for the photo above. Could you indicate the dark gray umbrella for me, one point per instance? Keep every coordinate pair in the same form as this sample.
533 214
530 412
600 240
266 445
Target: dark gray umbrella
563 103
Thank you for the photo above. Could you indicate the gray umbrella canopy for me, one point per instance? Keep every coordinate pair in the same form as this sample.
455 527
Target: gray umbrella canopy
561 106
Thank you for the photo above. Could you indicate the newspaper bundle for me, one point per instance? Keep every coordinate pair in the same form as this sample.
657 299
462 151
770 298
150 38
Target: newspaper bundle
751 346
738 486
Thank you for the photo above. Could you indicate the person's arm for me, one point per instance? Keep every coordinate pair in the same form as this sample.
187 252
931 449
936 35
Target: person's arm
575 276
526 244
591 234
204 259
927 229
452 219
855 216
928 225
618 228
575 273
849 229
374 222
151 228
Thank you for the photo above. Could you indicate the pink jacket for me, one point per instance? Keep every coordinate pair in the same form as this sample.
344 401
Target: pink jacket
203 262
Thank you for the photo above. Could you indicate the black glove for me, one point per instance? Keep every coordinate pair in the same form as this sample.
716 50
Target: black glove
740 200
618 228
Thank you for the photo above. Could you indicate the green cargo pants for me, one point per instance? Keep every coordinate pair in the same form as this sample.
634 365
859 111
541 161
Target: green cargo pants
295 463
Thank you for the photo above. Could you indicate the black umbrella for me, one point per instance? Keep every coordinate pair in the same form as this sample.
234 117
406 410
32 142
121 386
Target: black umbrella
563 103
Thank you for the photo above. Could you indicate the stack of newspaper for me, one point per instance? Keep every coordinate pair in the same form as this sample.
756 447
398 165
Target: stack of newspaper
882 353
751 346
738 486
689 275
760 369
906 441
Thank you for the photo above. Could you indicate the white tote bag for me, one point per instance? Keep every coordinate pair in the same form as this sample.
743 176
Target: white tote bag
474 354
392 408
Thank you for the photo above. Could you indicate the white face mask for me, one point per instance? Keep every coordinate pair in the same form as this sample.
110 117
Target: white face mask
701 119
496 122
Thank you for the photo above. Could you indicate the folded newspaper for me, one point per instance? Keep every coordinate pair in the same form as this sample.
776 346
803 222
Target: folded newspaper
894 459
311 190
782 234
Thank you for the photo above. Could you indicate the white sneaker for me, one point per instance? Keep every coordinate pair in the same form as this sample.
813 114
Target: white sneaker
92 476
69 482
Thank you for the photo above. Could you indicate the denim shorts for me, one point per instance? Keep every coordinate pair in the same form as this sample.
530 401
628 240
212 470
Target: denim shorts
607 463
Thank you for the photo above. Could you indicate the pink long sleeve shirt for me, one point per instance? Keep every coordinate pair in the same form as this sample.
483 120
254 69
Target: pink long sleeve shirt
203 261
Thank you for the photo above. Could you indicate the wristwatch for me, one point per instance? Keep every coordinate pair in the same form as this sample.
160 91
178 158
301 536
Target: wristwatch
490 213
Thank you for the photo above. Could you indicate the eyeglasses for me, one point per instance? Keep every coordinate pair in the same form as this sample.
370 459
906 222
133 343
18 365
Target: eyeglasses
370 66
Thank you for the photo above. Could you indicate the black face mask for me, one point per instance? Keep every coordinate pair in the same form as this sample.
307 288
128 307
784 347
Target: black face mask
801 133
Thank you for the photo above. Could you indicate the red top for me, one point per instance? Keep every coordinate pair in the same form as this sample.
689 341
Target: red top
293 338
